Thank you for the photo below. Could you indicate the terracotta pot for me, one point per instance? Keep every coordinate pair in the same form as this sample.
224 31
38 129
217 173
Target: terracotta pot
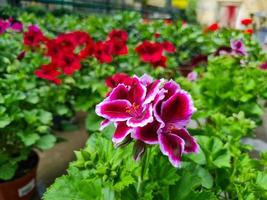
23 187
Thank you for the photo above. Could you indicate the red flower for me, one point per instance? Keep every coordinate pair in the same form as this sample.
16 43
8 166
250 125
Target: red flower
117 47
249 31
169 47
160 63
69 63
246 21
34 36
48 72
118 34
168 21
263 66
156 35
150 51
213 27
118 78
102 52
21 55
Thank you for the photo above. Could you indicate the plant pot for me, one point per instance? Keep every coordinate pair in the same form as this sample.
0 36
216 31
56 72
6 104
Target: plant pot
23 185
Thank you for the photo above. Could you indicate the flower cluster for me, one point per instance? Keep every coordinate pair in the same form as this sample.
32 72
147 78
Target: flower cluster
149 112
67 50
10 24
115 45
152 52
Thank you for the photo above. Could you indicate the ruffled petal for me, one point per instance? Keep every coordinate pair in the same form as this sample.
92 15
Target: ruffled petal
143 119
113 110
122 130
137 92
152 91
119 92
148 134
104 124
172 146
178 109
191 145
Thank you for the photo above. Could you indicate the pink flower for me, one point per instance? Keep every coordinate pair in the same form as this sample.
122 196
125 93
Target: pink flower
192 76
263 66
150 112
238 47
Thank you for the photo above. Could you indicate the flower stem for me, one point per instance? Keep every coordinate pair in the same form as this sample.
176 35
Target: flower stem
144 168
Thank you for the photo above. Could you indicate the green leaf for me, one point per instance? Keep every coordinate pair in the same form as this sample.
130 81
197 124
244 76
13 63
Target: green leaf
7 170
45 117
4 121
28 138
93 121
261 180
46 142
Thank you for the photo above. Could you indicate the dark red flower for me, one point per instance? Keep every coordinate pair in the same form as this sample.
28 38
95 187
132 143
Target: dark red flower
160 63
102 52
249 31
149 51
263 66
117 47
118 34
48 72
168 21
118 78
157 35
34 36
246 21
213 27
21 55
168 47
69 63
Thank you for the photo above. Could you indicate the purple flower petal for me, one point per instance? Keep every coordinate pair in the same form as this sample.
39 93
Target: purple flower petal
137 92
178 109
191 145
114 110
172 87
119 92
238 47
157 106
104 124
142 120
121 132
146 79
172 146
148 134
152 91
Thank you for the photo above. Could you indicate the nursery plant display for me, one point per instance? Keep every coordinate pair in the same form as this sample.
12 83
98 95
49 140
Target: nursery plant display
142 85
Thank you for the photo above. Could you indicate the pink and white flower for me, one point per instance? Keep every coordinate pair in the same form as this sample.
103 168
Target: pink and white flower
151 112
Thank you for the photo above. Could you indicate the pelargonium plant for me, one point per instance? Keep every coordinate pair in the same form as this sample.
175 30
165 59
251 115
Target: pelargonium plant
149 112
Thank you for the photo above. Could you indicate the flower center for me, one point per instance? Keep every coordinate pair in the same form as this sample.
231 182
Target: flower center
134 110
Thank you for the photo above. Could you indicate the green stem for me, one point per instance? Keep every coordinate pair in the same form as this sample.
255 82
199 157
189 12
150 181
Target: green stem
144 168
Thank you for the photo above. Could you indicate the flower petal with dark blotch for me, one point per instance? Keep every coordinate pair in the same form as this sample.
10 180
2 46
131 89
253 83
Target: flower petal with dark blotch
148 134
191 145
145 117
172 146
178 108
119 92
122 130
137 92
113 110
172 87
152 91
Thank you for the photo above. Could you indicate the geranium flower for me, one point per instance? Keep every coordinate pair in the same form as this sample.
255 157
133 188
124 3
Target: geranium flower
117 47
68 63
118 34
48 72
238 47
102 52
246 21
161 62
213 27
192 76
118 78
249 31
157 35
263 66
150 112
33 37
168 47
150 51
21 55
4 25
